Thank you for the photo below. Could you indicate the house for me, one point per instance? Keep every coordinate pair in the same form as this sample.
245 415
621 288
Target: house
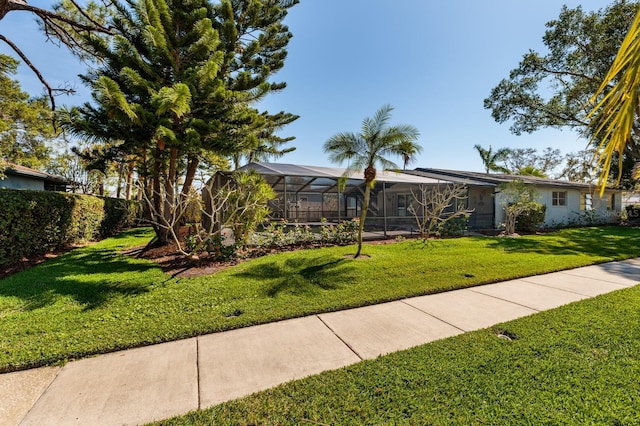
567 202
306 194
21 177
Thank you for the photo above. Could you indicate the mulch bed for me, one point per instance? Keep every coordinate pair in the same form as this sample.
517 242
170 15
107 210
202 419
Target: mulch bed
177 265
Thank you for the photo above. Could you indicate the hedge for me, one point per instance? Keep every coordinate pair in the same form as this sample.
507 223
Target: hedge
36 222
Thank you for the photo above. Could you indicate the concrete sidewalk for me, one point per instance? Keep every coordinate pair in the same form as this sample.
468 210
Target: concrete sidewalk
156 382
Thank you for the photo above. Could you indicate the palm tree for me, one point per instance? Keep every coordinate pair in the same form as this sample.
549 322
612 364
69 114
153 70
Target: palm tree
408 152
613 117
369 148
530 170
490 159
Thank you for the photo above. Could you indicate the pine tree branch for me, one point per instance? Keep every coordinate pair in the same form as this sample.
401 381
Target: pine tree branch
48 16
35 70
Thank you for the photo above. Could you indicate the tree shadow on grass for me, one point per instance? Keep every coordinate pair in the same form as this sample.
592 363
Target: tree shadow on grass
613 242
91 277
301 276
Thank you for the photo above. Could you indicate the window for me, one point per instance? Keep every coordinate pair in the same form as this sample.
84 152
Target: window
404 202
611 205
586 201
559 198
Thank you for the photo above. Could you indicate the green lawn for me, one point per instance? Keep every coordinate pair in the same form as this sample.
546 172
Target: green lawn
575 365
94 300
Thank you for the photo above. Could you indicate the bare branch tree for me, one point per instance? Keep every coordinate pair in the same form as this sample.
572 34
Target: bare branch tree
228 212
67 26
433 206
516 198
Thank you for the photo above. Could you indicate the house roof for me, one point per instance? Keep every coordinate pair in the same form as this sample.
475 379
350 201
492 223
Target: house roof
18 170
494 179
281 169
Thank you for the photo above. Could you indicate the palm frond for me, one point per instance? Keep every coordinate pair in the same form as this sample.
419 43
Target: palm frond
376 141
613 116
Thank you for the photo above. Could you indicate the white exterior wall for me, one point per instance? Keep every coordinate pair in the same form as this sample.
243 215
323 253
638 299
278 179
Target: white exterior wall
570 213
560 215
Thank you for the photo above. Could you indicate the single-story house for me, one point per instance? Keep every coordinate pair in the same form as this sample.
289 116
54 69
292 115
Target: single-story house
567 202
306 194
21 177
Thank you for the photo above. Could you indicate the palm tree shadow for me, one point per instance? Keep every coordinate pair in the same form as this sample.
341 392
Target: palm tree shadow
301 276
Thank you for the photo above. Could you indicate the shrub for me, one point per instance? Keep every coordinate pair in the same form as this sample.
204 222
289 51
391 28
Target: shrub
531 218
454 227
633 212
36 222
594 217
118 215
346 232
87 215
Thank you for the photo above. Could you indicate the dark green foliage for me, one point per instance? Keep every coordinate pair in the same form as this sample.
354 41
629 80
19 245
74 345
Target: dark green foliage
454 227
531 219
633 212
178 83
552 88
87 215
119 214
36 222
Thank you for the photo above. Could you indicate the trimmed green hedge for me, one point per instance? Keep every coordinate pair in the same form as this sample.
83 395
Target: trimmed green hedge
119 214
36 222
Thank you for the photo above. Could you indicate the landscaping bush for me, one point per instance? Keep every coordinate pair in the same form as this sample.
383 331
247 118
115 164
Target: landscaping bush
633 212
87 214
454 227
118 215
531 218
36 222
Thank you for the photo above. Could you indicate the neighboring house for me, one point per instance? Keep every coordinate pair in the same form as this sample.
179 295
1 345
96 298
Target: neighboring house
567 202
20 177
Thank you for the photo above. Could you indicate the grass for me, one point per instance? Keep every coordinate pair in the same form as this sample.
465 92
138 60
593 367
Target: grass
94 300
575 365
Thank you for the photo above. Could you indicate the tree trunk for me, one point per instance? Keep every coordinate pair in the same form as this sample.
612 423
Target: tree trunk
101 184
120 179
129 183
192 167
162 233
170 192
363 216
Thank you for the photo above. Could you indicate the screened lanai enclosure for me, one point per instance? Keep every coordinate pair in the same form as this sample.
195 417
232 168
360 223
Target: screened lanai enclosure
306 194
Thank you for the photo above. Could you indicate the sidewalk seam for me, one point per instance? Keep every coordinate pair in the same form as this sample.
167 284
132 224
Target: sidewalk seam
340 338
576 292
40 396
431 315
198 372
507 300
568 272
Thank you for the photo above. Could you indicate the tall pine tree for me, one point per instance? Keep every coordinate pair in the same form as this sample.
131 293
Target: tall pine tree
179 79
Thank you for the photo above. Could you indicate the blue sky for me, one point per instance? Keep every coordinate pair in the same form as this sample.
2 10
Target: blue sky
435 62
